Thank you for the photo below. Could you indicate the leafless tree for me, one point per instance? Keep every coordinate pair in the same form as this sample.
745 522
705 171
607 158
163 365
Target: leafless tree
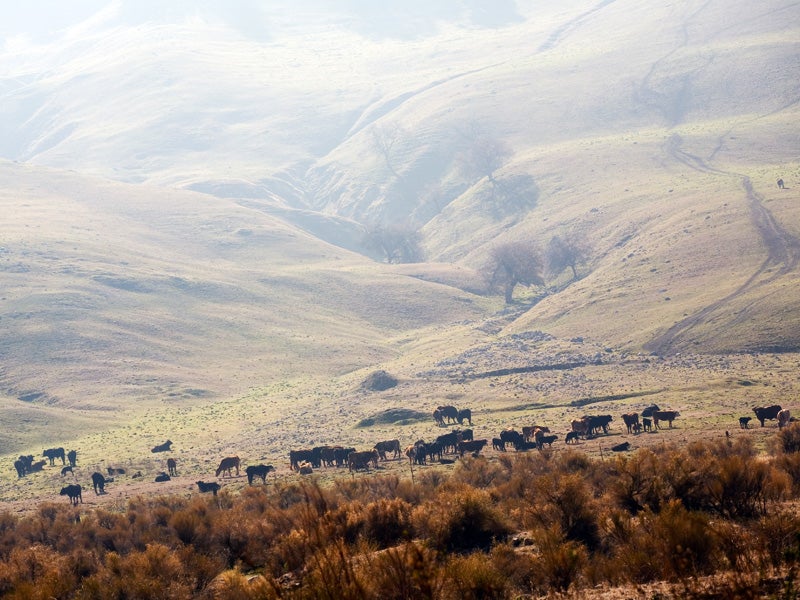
515 263
385 139
396 243
563 252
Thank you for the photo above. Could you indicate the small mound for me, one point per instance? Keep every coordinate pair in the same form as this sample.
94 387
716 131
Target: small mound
379 381
393 416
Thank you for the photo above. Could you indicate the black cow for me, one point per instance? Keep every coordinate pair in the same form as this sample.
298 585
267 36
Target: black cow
449 441
72 457
392 446
571 437
449 413
597 422
165 447
744 422
623 447
472 446
648 412
73 491
20 467
781 185
498 444
546 439
162 477
98 482
261 471
67 469
54 453
513 437
465 414
211 486
764 413
115 471
172 467
298 456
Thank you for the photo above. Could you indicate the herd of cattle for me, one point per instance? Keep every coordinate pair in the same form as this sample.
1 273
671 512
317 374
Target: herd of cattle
455 443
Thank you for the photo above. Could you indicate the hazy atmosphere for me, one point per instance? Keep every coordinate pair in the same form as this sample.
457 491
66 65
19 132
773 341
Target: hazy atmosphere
253 228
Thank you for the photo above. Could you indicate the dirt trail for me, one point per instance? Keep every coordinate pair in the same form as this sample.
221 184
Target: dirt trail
783 250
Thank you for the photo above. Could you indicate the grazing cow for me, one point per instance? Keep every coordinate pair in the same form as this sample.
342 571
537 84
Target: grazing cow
172 467
165 447
647 424
546 439
162 477
513 437
54 453
472 446
27 461
648 412
449 413
784 416
465 414
448 441
665 415
20 467
114 471
528 433
99 483
67 469
340 455
392 446
361 460
580 427
438 417
298 456
464 436
433 451
211 486
764 413
571 437
498 444
228 463
261 471
744 422
73 491
781 184
630 420
72 457
623 447
597 422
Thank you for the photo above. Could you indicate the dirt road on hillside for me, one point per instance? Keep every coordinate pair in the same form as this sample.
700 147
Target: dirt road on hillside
783 250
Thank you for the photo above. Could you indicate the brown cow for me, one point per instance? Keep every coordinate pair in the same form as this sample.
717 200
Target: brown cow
228 463
665 415
172 467
784 416
529 432
630 420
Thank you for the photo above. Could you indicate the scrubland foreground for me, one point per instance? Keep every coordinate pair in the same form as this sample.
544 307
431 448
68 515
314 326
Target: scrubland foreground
708 519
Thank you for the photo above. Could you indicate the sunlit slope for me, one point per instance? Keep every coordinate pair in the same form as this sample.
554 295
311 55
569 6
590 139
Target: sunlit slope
115 293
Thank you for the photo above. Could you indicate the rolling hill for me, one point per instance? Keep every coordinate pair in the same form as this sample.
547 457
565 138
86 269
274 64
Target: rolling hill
185 204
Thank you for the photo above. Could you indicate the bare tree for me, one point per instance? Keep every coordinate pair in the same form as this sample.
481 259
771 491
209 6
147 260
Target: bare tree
485 155
515 263
385 139
563 252
396 243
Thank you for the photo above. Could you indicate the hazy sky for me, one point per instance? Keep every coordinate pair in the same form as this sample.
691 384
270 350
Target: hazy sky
44 21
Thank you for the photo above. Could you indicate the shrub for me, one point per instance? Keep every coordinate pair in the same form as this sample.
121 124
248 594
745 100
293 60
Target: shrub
460 522
474 577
